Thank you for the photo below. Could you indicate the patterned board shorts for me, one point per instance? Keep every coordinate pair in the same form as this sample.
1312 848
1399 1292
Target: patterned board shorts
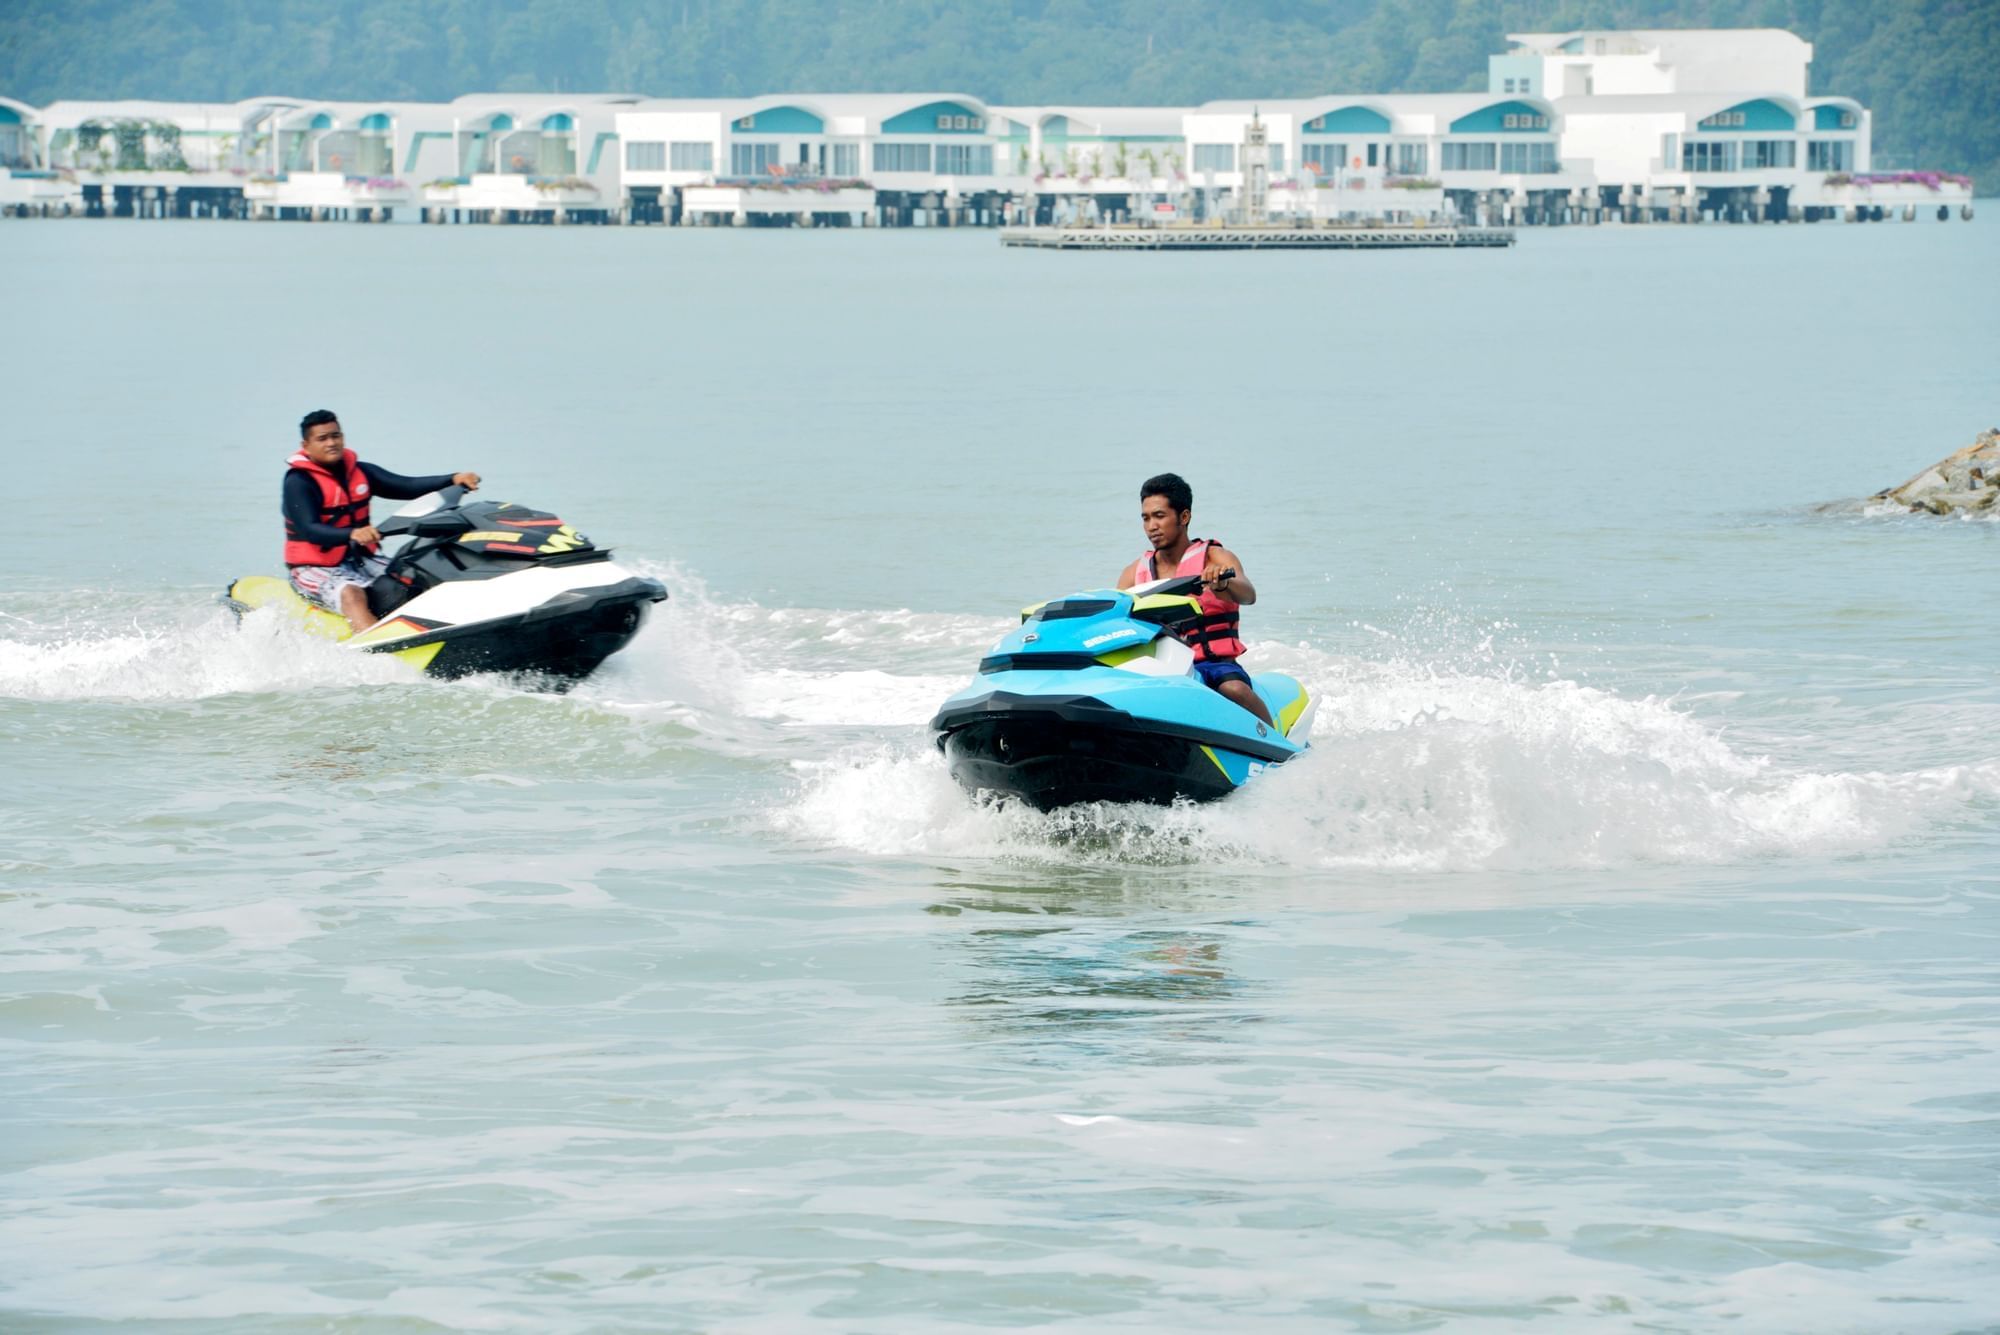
321 585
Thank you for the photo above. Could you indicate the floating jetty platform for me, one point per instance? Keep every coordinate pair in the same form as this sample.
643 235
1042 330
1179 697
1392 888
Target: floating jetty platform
1257 236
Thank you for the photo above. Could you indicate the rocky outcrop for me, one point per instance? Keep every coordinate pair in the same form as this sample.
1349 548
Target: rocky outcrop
1966 481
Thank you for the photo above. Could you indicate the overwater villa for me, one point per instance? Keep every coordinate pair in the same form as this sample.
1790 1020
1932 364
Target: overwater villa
1573 127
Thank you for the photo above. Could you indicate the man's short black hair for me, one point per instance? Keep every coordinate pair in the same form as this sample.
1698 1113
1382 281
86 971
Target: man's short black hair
1178 493
317 417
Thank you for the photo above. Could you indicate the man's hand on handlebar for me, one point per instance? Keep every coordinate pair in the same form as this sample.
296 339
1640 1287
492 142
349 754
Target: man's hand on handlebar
364 535
470 481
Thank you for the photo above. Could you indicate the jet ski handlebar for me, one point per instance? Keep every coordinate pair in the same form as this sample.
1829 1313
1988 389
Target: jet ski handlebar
1185 586
438 521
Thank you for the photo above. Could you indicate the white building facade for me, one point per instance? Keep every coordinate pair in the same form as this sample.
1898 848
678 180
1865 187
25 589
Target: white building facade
1574 126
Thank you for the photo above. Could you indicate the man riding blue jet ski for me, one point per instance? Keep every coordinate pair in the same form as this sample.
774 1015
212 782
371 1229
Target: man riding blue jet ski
1130 694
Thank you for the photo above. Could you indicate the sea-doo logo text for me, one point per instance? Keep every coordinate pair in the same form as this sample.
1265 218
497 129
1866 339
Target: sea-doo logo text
1030 638
1123 633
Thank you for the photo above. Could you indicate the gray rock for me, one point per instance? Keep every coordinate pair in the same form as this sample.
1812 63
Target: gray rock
1966 481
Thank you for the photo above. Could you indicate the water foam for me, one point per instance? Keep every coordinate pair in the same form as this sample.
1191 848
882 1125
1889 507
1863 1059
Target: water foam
1415 769
202 654
1414 765
720 664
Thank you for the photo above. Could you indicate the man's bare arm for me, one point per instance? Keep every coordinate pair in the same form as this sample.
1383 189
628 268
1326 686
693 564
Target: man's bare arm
1238 586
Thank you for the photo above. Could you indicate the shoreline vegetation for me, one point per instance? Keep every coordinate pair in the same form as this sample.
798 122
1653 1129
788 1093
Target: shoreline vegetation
1917 64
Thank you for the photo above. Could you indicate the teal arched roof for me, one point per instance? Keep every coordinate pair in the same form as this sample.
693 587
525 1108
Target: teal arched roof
501 121
9 116
320 122
1528 119
557 121
1760 114
379 122
779 120
1828 118
1348 120
956 118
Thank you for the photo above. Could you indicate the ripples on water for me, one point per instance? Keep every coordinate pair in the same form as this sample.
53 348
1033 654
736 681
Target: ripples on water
1621 956
508 1010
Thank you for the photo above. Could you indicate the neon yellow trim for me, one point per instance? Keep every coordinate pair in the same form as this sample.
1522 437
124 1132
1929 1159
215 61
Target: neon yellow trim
489 536
383 632
267 591
420 657
262 591
1153 600
1126 655
1218 764
1290 713
1027 612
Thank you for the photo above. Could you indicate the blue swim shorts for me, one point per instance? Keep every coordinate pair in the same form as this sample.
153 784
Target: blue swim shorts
1215 671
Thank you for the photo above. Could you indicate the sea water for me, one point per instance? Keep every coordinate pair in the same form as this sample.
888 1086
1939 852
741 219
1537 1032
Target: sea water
1622 955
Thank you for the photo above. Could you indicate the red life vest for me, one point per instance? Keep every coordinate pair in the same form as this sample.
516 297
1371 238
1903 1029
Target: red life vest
1214 634
343 503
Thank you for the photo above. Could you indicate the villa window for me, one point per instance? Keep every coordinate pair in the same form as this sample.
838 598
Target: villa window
692 157
1412 159
1215 157
754 159
1523 121
1324 159
965 159
1701 155
1768 153
902 157
644 156
1724 120
1277 159
1471 157
1830 155
847 160
1846 120
1534 159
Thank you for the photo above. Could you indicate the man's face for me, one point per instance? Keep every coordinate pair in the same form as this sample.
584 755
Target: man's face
324 444
1163 524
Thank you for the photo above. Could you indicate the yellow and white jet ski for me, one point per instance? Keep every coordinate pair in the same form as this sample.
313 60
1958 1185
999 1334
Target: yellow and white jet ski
482 587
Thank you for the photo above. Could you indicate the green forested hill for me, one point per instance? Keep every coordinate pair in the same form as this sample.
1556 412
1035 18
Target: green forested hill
1926 67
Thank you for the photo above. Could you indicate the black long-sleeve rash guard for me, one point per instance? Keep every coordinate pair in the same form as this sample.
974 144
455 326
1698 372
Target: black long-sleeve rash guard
301 499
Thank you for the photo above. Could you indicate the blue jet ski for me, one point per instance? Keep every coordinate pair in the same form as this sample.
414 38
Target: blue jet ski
1094 699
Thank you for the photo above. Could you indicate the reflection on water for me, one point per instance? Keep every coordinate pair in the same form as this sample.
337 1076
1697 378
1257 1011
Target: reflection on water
1093 983
330 762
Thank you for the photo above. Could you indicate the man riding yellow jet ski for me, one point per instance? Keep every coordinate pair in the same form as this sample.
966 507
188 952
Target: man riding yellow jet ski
481 587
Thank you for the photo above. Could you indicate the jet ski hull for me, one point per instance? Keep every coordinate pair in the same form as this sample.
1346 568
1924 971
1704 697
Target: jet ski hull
564 645
562 640
1049 764
1051 748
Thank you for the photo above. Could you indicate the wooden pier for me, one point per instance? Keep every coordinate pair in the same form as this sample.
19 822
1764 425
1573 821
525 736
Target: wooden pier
1254 236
